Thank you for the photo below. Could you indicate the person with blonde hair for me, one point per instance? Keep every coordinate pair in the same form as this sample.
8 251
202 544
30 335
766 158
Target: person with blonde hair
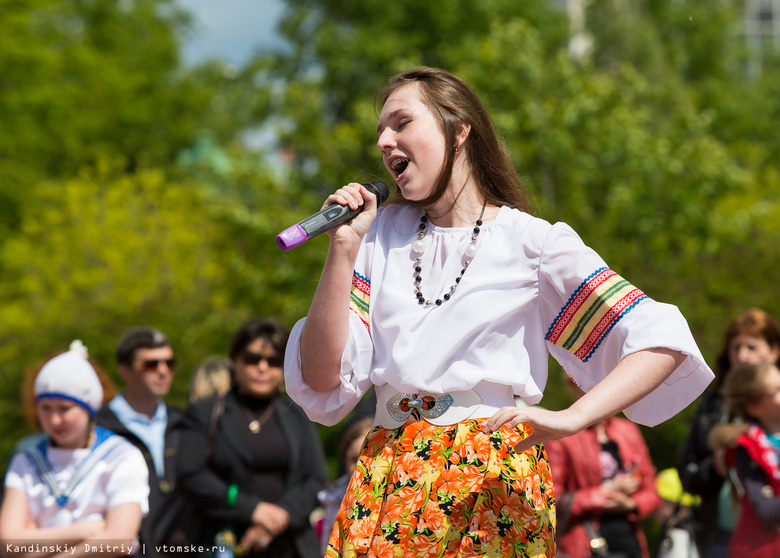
751 441
212 377
753 336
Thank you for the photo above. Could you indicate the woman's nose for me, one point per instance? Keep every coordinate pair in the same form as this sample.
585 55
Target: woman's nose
386 140
743 355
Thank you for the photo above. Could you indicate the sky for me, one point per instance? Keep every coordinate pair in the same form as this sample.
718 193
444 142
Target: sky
231 29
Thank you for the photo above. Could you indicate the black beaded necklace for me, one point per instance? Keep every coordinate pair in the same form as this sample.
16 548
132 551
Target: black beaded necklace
418 247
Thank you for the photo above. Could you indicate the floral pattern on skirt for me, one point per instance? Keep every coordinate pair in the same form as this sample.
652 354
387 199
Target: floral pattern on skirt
446 491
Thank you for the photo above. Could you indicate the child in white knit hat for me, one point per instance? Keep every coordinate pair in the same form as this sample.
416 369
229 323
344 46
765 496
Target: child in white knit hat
82 486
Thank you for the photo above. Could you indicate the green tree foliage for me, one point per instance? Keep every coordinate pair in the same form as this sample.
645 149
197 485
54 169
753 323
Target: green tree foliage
81 80
100 227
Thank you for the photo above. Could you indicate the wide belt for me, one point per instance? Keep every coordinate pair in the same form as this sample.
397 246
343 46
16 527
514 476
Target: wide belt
394 407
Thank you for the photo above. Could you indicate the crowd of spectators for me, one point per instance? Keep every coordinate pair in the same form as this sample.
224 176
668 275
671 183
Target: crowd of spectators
242 470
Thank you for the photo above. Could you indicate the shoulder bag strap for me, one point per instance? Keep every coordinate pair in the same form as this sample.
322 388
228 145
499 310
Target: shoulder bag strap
216 412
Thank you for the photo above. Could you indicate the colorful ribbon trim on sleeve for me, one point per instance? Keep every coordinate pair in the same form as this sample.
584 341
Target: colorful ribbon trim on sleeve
593 310
359 298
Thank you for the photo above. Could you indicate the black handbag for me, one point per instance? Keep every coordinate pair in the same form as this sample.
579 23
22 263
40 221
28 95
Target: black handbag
178 523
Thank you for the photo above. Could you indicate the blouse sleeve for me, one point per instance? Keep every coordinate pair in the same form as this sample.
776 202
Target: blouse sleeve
14 477
330 407
128 480
596 318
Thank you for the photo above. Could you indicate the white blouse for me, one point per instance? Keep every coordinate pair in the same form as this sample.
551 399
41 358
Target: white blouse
531 288
120 477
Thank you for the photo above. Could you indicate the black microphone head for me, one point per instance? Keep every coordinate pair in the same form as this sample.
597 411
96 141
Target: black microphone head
379 189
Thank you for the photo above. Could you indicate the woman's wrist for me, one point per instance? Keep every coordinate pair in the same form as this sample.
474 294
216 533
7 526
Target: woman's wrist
342 253
578 417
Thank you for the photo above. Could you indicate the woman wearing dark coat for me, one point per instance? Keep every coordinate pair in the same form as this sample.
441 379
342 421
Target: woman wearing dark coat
266 465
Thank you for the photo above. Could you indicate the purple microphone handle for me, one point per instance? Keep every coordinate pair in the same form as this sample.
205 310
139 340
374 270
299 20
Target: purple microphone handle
292 237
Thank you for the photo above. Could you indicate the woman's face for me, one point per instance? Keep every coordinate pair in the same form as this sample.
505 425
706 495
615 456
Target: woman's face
747 349
259 370
411 142
67 423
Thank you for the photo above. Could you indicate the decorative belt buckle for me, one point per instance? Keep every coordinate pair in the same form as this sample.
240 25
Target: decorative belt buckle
429 405
442 409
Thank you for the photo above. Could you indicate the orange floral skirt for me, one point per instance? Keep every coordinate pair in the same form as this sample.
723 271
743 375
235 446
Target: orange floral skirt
446 492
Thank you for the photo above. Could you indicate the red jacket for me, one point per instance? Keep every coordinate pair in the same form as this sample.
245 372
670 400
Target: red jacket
750 539
574 462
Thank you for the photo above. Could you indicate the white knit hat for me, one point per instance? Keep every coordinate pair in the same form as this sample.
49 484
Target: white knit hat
71 376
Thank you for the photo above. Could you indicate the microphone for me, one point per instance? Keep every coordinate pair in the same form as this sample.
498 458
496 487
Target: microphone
327 218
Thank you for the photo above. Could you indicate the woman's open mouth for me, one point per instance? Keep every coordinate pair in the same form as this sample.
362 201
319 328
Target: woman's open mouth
398 166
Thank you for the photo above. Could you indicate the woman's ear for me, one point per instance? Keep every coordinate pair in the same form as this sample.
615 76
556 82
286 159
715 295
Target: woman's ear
462 134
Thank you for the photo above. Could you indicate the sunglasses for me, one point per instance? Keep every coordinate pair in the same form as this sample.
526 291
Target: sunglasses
152 365
253 359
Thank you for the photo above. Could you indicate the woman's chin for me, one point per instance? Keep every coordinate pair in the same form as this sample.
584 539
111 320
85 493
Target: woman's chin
261 392
66 442
412 195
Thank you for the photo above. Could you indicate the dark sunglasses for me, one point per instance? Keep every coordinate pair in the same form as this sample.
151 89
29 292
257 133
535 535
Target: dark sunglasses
153 364
253 359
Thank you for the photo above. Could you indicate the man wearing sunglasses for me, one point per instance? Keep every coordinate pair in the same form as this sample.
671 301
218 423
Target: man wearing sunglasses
146 363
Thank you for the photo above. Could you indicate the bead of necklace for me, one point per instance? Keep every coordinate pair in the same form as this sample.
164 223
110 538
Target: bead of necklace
418 247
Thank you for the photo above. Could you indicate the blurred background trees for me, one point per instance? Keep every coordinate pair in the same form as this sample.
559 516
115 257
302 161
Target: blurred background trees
137 190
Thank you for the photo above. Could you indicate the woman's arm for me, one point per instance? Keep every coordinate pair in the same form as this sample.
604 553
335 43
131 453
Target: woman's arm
118 530
634 377
18 529
117 538
326 330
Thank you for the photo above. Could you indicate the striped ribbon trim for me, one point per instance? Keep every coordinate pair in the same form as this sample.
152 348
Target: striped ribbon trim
359 298
593 310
